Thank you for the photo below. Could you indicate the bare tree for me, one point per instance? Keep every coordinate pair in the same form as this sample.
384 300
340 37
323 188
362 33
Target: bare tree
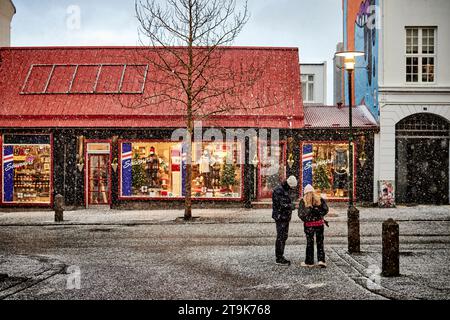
185 41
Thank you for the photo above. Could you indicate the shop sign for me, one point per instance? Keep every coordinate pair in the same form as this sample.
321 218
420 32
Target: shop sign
8 173
126 169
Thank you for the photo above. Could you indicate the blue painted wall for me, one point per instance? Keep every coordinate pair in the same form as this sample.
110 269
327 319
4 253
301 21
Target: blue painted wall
361 33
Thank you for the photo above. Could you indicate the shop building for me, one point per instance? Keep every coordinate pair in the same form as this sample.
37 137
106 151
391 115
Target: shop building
404 80
324 152
65 131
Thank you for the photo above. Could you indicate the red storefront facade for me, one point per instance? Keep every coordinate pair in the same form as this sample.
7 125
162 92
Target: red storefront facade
76 103
66 127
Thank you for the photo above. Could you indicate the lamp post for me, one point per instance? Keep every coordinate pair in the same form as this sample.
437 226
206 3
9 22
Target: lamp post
352 213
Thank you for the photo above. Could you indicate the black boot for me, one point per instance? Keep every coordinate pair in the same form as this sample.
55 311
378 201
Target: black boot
283 262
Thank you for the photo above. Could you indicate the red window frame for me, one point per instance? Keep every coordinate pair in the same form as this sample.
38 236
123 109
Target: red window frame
86 169
241 198
300 173
18 204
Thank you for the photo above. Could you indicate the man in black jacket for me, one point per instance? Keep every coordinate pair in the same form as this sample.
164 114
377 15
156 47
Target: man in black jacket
282 207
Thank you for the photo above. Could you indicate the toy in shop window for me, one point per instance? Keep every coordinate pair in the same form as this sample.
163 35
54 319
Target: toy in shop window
340 158
152 169
216 176
340 180
198 186
205 164
164 181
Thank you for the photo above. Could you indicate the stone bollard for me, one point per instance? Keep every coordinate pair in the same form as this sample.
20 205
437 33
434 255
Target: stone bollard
391 252
59 208
353 230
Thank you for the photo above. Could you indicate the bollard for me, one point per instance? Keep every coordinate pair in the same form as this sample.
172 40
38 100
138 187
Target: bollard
59 208
391 252
353 230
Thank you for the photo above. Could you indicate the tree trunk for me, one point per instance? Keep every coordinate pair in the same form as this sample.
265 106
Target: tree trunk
190 127
188 182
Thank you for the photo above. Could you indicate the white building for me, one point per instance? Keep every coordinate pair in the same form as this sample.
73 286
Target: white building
412 147
7 11
404 80
314 83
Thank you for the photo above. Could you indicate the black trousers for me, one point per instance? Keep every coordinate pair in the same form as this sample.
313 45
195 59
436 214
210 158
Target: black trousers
282 235
310 232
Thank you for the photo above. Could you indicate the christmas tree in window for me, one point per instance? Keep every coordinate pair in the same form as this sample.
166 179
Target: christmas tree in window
228 177
321 175
138 174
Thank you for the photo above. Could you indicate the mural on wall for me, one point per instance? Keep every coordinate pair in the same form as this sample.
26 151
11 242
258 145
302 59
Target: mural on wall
361 34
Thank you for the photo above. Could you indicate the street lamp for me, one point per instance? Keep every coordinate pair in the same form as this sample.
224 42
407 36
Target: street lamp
352 213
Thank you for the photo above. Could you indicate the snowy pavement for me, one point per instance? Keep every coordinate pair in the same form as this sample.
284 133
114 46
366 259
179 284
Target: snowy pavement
223 254
107 216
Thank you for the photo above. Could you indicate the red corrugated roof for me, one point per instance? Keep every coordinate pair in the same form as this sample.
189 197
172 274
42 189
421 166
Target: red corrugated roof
337 117
66 87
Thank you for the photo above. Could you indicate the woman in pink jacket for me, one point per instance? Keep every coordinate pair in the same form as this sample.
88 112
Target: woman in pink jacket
312 210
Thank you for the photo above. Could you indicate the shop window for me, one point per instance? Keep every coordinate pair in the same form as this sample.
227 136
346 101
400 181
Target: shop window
213 175
326 167
271 174
26 169
156 170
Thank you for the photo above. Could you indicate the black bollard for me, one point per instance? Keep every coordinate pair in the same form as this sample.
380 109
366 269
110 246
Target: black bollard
59 208
353 230
391 252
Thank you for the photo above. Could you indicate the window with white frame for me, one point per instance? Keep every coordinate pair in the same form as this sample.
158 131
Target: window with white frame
308 87
420 54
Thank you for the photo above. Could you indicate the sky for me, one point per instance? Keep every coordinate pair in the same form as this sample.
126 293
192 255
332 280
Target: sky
313 26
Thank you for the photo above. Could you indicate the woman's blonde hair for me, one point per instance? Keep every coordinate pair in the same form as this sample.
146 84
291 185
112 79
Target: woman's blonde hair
311 199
